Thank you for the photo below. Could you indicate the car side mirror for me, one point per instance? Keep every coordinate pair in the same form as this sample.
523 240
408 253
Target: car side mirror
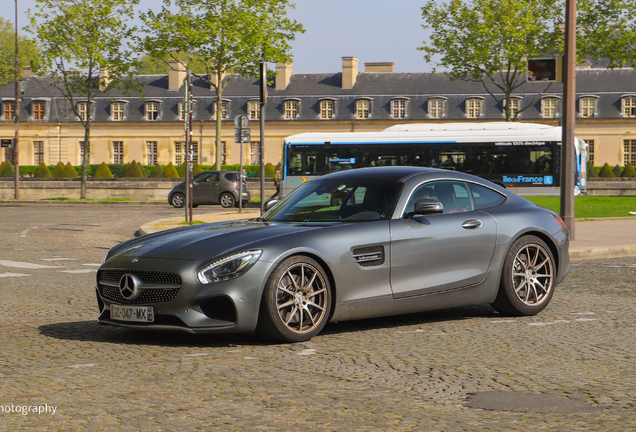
426 207
269 204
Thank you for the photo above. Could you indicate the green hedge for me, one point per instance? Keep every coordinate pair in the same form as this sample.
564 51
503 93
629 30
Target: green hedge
118 169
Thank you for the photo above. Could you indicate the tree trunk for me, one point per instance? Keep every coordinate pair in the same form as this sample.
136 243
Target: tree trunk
86 145
219 114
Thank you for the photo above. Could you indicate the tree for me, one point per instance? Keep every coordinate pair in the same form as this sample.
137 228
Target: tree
149 65
92 36
227 36
488 41
28 52
609 31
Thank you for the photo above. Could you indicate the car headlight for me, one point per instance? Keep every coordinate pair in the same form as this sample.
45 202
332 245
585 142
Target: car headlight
229 267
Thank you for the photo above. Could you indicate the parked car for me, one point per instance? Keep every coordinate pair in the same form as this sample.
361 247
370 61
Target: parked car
211 187
354 244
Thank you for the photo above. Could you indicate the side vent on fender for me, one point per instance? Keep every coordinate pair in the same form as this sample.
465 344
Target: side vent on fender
369 256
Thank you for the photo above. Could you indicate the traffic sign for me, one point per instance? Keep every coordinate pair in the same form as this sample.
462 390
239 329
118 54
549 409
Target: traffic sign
241 121
242 135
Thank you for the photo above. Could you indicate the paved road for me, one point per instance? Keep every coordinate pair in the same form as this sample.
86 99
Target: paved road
573 367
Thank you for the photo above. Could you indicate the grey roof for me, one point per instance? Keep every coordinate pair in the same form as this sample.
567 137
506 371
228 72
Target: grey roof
379 87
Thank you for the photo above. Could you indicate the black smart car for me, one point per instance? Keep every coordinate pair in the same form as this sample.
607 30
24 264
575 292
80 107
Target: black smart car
211 187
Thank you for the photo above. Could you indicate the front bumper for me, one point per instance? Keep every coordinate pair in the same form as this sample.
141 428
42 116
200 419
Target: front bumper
224 307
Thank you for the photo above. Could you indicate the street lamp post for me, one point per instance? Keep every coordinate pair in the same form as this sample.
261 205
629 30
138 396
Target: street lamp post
16 148
569 99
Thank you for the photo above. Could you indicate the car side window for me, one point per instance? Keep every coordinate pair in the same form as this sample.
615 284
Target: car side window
485 197
201 178
454 196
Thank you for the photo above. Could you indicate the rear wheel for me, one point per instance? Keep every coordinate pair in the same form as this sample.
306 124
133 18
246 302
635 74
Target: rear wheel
296 301
177 200
527 281
226 200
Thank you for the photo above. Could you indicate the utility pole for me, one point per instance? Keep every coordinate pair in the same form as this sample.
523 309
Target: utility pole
187 117
263 85
16 148
568 167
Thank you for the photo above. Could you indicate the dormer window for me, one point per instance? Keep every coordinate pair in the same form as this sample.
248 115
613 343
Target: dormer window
37 110
363 108
224 110
117 111
549 107
151 110
587 107
629 106
327 108
291 109
398 108
514 106
82 110
254 110
8 110
436 107
474 107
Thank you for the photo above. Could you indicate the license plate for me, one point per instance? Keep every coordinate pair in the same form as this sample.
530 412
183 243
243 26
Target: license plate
132 313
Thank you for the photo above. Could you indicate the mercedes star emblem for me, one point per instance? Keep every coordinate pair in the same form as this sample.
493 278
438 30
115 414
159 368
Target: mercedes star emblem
129 287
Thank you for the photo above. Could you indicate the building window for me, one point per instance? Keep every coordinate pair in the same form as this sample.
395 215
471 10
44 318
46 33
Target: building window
151 110
223 110
38 110
398 108
587 107
255 153
291 109
548 107
151 152
88 151
223 153
473 108
629 152
514 107
118 152
180 152
182 111
254 110
326 109
38 152
362 108
9 110
590 150
629 106
117 111
81 110
436 108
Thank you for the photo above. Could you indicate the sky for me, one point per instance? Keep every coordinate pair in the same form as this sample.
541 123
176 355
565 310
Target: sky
371 30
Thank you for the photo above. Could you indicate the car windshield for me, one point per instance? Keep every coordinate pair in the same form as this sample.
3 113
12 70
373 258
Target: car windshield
334 200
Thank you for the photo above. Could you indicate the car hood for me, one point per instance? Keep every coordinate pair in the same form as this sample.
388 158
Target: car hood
204 241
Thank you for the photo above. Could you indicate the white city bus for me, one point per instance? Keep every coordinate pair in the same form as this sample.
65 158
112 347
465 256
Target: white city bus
522 157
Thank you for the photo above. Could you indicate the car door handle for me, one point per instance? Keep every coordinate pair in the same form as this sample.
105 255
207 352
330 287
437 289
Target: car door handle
471 224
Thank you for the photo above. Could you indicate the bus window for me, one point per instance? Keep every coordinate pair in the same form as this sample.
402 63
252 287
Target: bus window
305 161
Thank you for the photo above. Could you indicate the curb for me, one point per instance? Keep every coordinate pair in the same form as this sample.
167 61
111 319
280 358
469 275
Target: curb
602 252
40 202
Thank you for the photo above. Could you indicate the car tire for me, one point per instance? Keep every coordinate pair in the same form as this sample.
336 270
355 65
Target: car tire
528 278
226 200
296 302
177 200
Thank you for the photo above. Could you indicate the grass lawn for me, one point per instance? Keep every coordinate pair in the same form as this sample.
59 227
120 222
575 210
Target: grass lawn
592 206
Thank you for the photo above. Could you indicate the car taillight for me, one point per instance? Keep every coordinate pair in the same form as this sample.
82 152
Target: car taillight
560 221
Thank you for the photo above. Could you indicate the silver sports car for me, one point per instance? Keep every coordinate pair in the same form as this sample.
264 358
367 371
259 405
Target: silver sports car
355 244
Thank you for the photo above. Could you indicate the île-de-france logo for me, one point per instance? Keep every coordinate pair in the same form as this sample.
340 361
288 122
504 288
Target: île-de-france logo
548 180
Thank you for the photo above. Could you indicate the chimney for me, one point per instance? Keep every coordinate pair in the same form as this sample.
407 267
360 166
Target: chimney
214 81
27 72
176 74
379 67
284 74
104 78
349 72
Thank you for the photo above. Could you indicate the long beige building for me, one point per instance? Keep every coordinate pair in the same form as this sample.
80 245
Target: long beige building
149 127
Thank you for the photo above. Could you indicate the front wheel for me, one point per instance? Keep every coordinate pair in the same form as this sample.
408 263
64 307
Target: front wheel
226 200
177 200
528 278
296 302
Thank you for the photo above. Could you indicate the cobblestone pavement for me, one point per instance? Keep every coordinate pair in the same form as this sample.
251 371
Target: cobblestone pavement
571 368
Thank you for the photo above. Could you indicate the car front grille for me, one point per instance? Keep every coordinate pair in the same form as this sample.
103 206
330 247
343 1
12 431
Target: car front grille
112 293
